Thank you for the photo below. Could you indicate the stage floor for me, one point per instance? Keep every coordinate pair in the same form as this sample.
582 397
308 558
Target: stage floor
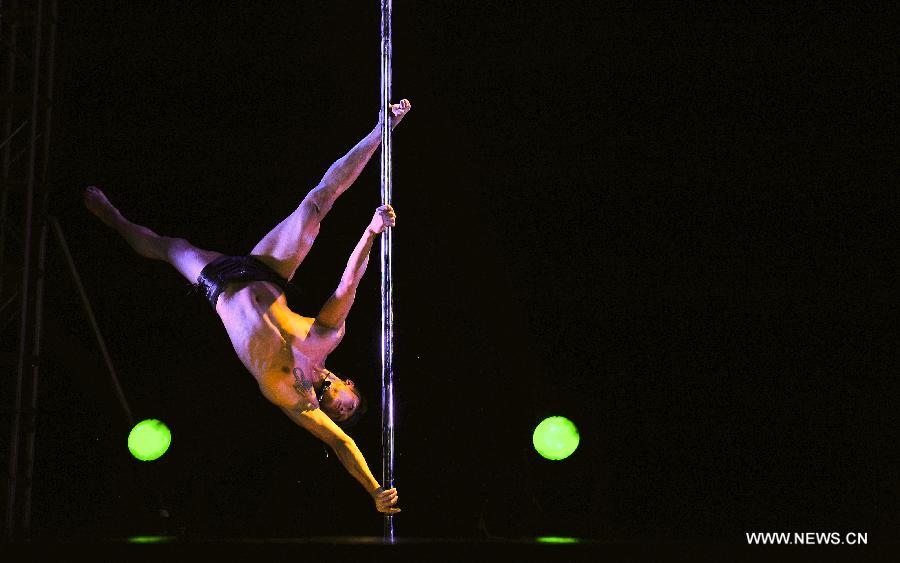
370 548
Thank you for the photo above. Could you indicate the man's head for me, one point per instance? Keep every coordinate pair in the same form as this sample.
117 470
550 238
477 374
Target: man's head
341 401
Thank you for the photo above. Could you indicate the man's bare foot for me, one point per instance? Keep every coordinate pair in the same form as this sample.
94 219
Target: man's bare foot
98 204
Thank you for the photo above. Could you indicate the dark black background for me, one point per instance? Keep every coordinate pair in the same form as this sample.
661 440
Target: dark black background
668 224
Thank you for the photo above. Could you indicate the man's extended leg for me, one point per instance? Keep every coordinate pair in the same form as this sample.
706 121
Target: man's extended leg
186 258
285 246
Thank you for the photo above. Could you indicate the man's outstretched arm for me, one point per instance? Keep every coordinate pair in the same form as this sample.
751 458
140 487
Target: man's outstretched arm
335 311
346 169
348 453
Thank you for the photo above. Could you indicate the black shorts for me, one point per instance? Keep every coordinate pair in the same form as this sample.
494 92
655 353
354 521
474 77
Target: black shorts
216 275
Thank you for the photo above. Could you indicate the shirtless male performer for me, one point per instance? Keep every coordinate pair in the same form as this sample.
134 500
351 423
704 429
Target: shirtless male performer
284 351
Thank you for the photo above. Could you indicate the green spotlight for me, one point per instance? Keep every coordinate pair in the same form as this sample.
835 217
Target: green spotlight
556 539
149 439
148 539
555 438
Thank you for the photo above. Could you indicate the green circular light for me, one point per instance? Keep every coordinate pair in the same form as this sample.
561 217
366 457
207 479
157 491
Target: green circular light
149 439
555 438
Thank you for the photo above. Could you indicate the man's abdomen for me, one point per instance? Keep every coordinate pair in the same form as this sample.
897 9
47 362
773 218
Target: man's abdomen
258 342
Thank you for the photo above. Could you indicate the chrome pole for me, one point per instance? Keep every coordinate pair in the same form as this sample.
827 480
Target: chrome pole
387 306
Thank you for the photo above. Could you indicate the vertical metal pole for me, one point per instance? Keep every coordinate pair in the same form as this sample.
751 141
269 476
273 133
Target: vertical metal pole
387 305
31 427
27 476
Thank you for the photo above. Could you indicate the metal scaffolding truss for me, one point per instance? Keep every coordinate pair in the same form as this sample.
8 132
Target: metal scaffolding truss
27 45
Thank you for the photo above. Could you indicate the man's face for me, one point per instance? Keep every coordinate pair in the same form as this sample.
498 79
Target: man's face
339 401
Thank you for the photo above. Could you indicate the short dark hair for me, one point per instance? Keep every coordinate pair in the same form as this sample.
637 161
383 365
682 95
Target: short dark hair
361 408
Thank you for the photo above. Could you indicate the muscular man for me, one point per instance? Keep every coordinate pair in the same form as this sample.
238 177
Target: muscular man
284 351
